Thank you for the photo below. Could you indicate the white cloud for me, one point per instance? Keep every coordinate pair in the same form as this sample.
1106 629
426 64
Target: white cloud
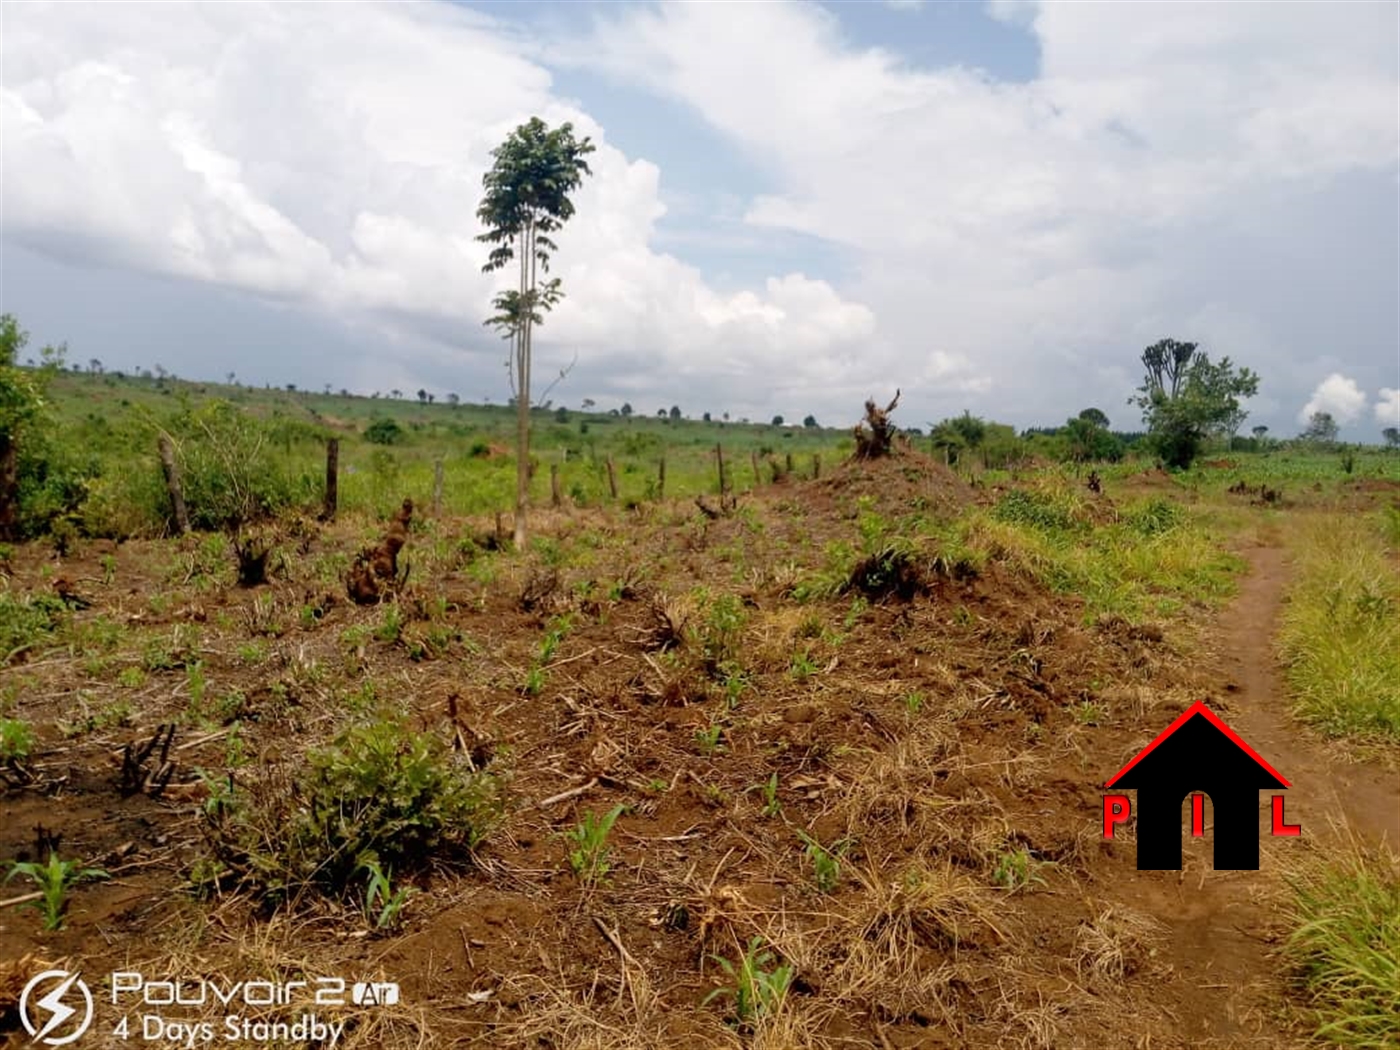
1337 395
203 141
1388 407
1019 223
904 5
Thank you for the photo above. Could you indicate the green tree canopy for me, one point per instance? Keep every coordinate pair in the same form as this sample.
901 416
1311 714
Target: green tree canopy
1186 398
1322 429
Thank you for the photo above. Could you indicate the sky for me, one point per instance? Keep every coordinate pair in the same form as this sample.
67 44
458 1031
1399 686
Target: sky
792 207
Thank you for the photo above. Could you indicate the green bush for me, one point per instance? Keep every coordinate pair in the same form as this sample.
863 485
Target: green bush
384 431
379 793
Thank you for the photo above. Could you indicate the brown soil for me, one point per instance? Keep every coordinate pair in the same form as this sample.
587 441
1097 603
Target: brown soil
920 944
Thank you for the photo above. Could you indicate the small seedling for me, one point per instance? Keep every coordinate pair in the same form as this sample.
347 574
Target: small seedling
707 739
589 857
1016 870
383 903
771 806
54 880
757 990
803 666
1088 713
914 702
109 569
826 861
392 626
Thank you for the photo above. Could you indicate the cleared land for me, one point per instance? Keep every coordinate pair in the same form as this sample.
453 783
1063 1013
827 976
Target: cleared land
821 771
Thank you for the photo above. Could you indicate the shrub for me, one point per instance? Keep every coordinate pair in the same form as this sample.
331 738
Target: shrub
379 793
384 431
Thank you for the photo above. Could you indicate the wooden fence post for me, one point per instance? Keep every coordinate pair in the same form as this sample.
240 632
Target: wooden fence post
332 479
816 465
612 477
661 479
554 483
719 457
172 483
437 486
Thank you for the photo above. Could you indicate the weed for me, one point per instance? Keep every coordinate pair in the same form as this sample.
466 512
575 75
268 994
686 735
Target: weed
251 654
1088 713
117 713
16 740
589 856
390 629
914 702
707 740
109 569
54 880
1016 870
825 860
132 678
758 987
720 634
26 622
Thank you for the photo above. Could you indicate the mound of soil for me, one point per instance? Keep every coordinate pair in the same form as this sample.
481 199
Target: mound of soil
896 483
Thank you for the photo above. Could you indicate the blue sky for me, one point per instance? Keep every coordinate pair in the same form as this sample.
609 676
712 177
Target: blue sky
794 205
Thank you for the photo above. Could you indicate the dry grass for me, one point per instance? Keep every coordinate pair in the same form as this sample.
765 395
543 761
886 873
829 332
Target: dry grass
1116 943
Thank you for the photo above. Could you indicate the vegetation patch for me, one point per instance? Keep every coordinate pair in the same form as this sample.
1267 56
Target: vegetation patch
1340 636
1346 947
378 794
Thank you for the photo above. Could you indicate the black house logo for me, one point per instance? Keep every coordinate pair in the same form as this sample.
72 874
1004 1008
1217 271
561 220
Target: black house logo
1197 755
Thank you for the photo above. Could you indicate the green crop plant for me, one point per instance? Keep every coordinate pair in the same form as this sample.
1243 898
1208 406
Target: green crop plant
589 857
54 880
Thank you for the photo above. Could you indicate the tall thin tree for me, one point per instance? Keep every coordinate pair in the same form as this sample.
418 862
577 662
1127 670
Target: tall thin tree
526 201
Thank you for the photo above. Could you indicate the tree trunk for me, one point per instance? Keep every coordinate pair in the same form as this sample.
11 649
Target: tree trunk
9 485
522 387
172 483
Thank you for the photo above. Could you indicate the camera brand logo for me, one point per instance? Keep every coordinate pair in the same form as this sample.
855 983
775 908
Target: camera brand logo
1196 755
54 1024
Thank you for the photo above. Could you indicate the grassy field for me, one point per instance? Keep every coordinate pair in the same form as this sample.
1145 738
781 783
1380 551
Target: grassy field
820 770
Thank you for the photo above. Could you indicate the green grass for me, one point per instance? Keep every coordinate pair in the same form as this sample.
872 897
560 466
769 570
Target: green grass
1340 635
1346 948
1153 561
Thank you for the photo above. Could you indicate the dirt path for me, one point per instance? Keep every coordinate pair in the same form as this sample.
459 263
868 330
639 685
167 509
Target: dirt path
1224 927
1359 796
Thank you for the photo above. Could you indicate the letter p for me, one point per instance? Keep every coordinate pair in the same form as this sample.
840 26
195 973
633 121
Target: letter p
1116 810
